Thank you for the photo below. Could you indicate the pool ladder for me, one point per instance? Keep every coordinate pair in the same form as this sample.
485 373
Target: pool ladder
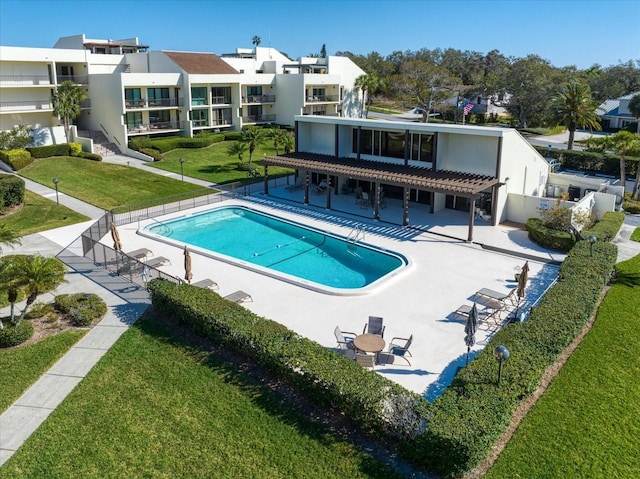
355 235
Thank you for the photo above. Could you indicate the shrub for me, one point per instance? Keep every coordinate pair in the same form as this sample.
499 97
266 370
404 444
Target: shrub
16 159
39 310
138 143
155 154
607 228
49 150
11 190
13 335
90 156
75 149
81 308
630 205
232 136
547 237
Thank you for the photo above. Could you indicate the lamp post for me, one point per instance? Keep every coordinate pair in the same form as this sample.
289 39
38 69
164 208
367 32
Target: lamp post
182 168
55 182
502 354
592 239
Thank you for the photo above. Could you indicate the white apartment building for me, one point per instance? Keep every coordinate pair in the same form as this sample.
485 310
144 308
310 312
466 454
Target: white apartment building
132 91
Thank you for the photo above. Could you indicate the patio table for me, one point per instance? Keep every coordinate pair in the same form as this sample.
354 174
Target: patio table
369 343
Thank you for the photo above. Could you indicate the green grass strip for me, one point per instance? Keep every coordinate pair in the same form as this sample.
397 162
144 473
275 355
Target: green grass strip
635 236
104 185
587 424
155 406
20 367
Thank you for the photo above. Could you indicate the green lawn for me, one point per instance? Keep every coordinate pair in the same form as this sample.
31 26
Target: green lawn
587 424
155 406
214 164
635 236
21 367
104 185
40 214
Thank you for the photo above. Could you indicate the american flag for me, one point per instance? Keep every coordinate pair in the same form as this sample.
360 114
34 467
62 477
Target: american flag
468 106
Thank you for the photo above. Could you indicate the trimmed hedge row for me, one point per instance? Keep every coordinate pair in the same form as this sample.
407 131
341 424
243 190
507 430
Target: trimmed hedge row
547 237
473 412
167 144
11 190
607 228
589 160
377 405
63 149
16 159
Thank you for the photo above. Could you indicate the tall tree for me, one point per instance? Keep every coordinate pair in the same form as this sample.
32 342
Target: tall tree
574 107
624 143
8 283
634 108
367 85
66 103
277 135
37 274
237 148
256 40
252 137
323 51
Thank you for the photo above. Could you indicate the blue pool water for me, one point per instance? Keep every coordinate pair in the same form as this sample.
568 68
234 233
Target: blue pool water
282 246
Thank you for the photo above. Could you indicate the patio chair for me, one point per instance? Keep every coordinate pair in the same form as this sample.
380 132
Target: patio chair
140 254
399 347
206 284
365 360
365 202
345 343
239 297
374 326
158 261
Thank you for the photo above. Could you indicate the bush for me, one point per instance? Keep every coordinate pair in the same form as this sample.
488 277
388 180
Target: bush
49 150
13 335
138 143
607 228
75 149
630 205
232 136
81 308
586 160
155 154
39 310
16 159
171 143
11 190
90 156
547 237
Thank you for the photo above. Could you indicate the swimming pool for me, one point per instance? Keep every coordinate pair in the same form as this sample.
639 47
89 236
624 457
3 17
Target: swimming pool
281 248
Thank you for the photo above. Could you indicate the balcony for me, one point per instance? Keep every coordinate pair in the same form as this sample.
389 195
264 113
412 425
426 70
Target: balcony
220 100
25 106
259 119
206 123
259 99
160 103
77 79
323 98
25 80
157 127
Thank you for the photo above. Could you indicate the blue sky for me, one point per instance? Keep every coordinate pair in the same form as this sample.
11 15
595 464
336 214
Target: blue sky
565 32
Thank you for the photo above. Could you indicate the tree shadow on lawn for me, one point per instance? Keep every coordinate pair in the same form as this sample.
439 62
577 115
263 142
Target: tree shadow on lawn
273 395
628 279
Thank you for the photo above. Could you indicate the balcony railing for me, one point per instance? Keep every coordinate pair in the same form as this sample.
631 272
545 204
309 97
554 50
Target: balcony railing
25 80
259 119
160 103
259 99
33 105
157 127
322 98
220 100
77 79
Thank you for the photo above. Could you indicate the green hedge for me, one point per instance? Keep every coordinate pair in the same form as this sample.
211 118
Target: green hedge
630 205
473 412
589 161
552 239
607 228
49 150
11 190
171 143
80 308
13 335
377 405
75 149
16 159
90 156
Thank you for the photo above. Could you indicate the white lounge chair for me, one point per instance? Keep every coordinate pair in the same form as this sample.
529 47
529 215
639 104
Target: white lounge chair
239 297
206 284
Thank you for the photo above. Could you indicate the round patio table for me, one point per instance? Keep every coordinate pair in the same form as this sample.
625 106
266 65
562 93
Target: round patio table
369 343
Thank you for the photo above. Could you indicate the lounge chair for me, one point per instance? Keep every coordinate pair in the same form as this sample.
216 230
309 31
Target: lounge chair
345 343
399 347
140 254
206 284
374 326
239 297
365 360
158 261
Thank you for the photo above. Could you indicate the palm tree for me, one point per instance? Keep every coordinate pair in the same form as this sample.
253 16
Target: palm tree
625 143
7 283
8 237
574 107
256 40
237 148
288 144
37 274
253 137
66 103
634 108
277 135
367 84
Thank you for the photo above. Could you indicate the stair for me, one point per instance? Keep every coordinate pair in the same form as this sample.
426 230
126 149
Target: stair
101 144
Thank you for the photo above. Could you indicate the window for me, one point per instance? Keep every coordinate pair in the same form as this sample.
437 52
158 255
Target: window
132 97
221 95
158 96
160 116
254 90
319 94
200 117
133 120
198 95
392 144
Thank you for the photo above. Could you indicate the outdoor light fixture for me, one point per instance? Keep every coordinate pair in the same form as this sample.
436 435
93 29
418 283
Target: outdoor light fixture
591 239
502 354
55 182
182 168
